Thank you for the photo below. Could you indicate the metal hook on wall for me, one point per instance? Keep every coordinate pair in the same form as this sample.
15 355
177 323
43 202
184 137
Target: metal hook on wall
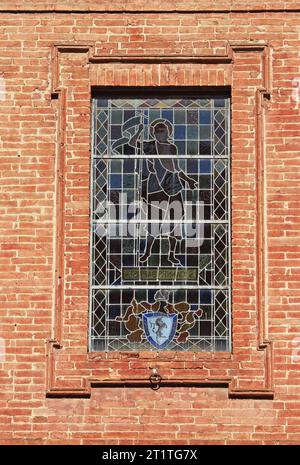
155 379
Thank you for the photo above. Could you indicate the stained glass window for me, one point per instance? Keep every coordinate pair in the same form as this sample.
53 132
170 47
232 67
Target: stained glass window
160 223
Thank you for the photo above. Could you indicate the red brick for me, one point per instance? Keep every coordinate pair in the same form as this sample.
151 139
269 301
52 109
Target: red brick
28 134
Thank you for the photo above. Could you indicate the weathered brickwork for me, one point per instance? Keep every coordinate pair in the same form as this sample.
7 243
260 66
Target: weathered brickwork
51 56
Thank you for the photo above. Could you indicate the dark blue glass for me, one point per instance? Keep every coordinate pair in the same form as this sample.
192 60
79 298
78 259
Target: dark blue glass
168 115
205 166
205 296
205 117
180 133
115 181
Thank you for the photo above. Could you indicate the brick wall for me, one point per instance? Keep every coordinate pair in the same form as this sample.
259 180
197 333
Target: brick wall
50 56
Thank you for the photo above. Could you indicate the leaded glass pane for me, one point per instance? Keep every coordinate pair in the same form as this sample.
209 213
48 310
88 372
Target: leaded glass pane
160 232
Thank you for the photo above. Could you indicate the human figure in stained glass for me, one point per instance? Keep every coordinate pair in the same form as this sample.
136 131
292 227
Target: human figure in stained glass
162 182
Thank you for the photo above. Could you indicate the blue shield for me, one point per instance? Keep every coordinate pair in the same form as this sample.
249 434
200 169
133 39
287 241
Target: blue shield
160 328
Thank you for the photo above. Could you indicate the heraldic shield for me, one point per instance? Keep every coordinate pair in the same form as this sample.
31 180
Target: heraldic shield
160 328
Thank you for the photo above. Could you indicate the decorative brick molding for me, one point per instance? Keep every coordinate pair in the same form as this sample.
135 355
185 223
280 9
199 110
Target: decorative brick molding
88 6
72 372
